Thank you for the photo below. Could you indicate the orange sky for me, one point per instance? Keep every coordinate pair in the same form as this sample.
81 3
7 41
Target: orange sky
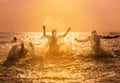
80 15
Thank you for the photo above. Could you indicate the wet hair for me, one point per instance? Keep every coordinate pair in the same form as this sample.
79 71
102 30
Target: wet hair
14 38
54 30
30 44
94 31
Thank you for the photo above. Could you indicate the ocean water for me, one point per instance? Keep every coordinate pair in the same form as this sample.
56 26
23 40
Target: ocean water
75 66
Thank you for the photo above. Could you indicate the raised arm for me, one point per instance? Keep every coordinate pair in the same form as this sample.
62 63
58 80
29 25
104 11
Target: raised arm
110 37
67 32
85 40
44 32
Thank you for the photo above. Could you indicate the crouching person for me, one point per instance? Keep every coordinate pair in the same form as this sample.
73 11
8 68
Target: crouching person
15 54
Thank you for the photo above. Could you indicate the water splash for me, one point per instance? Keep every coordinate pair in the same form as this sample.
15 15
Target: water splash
54 23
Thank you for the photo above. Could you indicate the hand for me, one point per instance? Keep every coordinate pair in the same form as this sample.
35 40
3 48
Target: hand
116 36
43 26
76 39
69 29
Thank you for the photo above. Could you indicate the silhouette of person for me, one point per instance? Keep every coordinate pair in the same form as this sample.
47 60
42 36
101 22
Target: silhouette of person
53 40
32 49
13 56
95 41
22 53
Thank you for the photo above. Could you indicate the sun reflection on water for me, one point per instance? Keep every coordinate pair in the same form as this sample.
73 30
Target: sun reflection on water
60 69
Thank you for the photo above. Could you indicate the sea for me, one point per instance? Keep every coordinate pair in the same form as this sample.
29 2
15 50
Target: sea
74 66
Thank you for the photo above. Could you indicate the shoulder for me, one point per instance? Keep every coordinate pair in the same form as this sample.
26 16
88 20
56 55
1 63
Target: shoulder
60 36
47 36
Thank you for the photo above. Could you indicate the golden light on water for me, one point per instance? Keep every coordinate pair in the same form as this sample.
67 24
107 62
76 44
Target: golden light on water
71 63
73 66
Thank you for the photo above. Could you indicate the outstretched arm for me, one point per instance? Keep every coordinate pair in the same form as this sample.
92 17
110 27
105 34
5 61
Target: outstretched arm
67 32
85 40
110 37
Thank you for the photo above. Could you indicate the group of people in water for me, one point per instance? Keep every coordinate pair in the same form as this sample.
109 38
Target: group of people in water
94 39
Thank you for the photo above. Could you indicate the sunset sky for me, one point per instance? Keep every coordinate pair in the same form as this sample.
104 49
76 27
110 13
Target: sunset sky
80 15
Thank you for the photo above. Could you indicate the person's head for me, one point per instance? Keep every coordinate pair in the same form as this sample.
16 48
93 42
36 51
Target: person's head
94 32
54 32
30 44
15 39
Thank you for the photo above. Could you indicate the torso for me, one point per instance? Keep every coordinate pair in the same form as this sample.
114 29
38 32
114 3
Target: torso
53 41
95 41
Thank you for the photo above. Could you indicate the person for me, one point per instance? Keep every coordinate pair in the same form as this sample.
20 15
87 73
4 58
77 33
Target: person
53 40
32 51
13 56
95 41
23 51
